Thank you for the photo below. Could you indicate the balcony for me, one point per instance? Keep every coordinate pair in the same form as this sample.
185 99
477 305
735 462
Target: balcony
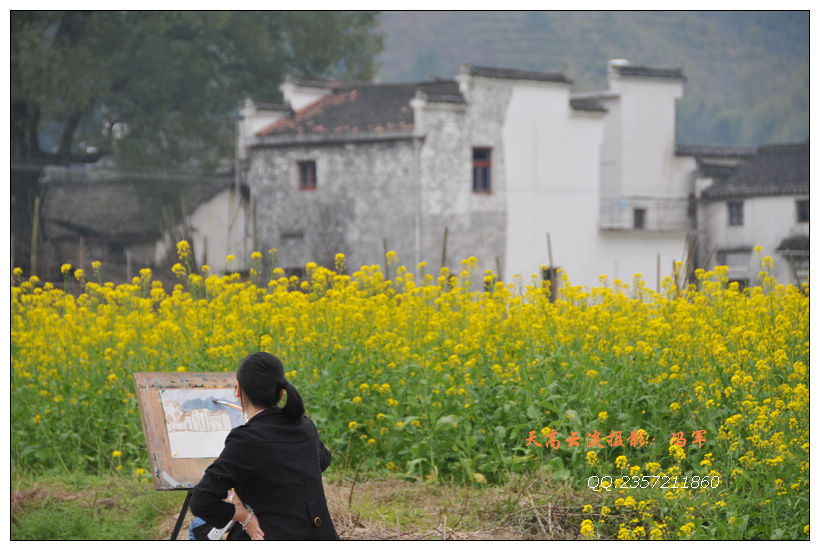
643 213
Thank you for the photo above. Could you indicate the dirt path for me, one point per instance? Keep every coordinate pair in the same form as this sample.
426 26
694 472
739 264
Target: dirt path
400 510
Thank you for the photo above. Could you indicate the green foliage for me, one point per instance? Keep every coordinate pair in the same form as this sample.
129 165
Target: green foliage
161 87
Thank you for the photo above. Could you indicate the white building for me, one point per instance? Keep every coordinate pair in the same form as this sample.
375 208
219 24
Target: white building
485 165
763 202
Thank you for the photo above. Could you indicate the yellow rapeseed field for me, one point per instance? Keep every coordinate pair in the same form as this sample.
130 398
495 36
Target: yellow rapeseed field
682 414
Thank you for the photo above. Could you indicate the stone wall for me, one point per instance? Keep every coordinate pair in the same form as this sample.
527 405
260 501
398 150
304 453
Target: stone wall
475 222
364 194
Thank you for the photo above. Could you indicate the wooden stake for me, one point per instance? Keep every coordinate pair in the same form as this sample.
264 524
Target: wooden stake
498 268
35 224
386 265
444 248
549 249
658 283
81 253
255 246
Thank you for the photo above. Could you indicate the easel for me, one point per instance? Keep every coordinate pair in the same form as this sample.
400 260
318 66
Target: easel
182 514
171 473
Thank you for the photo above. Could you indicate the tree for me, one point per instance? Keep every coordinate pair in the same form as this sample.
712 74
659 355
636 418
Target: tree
158 89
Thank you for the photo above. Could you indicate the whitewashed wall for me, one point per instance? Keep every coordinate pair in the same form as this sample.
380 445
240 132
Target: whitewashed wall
551 163
766 222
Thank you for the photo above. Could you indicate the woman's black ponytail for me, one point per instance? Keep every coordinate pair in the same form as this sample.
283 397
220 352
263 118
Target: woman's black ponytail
261 377
294 407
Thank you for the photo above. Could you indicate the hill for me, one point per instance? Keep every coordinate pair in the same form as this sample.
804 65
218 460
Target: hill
748 72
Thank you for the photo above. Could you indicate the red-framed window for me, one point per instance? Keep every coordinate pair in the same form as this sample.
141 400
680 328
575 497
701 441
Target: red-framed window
482 170
307 175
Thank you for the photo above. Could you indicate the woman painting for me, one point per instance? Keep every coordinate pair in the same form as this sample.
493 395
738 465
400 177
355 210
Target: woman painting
274 462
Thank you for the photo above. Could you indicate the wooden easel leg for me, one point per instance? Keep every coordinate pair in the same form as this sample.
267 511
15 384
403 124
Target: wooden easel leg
182 514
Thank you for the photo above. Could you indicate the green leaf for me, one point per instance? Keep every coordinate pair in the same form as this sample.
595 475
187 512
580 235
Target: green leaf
449 420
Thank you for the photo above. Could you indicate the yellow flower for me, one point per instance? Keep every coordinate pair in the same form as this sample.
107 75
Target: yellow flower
380 416
587 529
96 265
371 441
687 528
480 478
605 511
37 419
256 255
357 399
181 368
116 453
352 425
183 249
602 415
18 271
621 462
592 457
677 453
230 258
587 508
65 268
674 407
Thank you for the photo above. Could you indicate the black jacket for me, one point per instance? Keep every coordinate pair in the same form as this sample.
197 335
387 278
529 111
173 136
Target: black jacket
275 466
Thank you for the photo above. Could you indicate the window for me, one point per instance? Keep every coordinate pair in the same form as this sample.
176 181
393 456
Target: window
803 210
307 175
735 213
638 218
482 166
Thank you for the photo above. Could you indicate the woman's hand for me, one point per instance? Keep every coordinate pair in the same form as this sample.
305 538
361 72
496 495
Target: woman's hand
253 529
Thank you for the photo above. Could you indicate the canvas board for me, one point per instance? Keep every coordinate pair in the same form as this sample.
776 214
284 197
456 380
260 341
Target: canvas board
184 428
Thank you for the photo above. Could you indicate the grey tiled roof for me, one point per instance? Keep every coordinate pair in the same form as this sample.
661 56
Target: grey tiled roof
515 74
773 170
363 108
639 71
587 104
118 208
795 243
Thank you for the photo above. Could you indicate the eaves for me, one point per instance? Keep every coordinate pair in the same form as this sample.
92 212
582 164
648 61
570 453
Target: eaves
289 140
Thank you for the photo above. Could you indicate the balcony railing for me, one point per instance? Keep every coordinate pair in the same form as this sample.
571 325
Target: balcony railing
642 213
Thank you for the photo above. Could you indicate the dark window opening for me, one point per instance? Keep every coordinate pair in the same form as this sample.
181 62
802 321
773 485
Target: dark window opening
803 210
482 167
291 234
307 175
735 214
741 283
638 218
